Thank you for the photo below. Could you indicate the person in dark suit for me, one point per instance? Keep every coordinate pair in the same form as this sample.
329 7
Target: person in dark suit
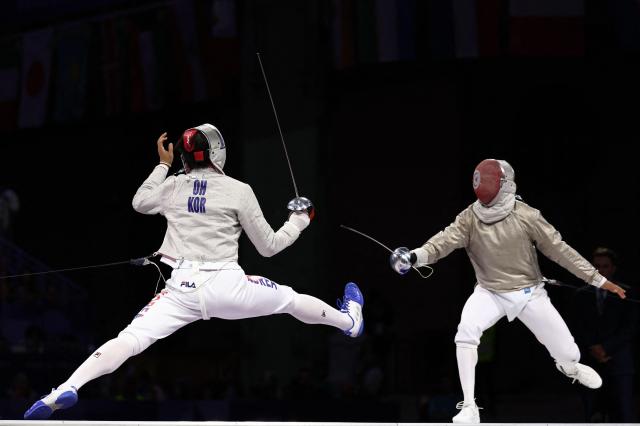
605 330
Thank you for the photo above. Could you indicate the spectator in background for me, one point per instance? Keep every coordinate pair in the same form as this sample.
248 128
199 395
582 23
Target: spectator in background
606 329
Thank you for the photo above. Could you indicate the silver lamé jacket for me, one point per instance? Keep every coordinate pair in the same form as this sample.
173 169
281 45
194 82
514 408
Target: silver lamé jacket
503 253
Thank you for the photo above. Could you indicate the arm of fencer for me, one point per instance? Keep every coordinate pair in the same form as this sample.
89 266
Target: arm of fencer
550 243
152 196
260 233
444 242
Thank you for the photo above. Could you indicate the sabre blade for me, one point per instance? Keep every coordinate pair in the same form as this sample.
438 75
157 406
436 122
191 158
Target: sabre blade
388 249
273 106
367 236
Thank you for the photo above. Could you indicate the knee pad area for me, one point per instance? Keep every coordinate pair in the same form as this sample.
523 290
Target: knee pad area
468 335
569 355
290 307
137 344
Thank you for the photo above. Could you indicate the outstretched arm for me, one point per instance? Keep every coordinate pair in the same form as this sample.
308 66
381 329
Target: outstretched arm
440 245
614 288
153 194
549 241
265 240
444 242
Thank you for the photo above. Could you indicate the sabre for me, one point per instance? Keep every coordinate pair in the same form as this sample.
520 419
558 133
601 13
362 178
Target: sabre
388 249
299 203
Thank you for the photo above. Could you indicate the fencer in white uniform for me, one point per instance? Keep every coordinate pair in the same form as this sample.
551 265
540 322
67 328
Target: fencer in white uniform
206 211
500 234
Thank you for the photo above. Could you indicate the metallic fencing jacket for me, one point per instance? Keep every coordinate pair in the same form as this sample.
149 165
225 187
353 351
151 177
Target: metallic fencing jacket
206 212
503 254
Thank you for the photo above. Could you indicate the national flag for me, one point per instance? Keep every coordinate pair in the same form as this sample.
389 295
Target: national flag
478 28
112 64
134 73
36 70
366 32
490 34
466 28
546 27
343 33
387 30
440 28
192 80
224 19
406 26
70 88
151 78
220 44
9 83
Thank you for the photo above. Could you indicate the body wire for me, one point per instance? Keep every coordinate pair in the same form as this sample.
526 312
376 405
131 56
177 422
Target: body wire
142 261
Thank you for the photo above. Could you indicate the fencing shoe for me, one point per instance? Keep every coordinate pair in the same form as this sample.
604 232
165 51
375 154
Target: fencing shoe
64 396
469 413
582 373
351 304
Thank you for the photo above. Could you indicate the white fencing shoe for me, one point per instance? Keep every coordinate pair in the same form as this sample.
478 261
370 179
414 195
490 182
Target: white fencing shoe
582 373
469 413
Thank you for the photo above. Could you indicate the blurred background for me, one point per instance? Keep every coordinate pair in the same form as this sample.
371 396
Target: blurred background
386 107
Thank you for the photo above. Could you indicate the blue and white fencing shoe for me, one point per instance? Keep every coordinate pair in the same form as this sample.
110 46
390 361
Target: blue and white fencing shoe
63 397
352 304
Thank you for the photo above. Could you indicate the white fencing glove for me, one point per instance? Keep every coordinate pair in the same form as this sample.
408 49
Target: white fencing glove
300 220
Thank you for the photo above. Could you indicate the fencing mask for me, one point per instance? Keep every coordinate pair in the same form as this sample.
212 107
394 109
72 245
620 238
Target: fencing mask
490 178
202 145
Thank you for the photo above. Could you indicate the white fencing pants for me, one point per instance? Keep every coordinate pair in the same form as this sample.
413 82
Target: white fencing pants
193 295
483 309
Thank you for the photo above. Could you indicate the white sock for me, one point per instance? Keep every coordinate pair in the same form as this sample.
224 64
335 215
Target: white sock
311 310
467 359
106 359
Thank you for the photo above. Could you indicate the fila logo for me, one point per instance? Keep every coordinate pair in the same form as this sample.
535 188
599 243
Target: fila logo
187 284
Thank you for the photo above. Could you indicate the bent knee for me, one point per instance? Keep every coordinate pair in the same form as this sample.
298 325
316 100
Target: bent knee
136 342
290 305
569 354
468 335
